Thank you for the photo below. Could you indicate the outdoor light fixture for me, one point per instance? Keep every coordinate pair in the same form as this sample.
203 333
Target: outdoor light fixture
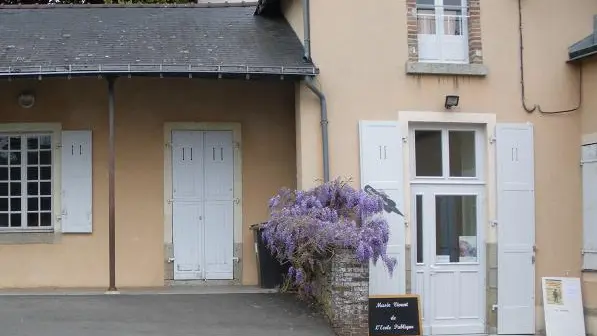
26 99
451 101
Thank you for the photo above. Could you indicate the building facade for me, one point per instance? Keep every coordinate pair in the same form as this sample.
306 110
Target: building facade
469 114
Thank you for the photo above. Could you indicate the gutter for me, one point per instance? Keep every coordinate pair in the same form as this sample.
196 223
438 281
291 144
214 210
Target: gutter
309 82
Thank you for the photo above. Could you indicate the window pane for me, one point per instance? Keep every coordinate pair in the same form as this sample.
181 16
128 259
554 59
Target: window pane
15 204
45 142
33 219
45 219
15 220
4 143
428 153
32 158
45 188
419 214
15 173
456 228
32 188
426 2
3 204
15 158
15 189
3 174
32 173
32 204
46 203
15 143
4 189
3 220
46 173
45 157
426 21
32 143
462 153
453 22
453 3
4 158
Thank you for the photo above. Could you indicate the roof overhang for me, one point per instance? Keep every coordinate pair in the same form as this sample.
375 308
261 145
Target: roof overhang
227 41
586 47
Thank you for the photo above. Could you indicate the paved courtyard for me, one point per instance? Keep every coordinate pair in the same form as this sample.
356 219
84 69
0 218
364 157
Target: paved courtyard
164 315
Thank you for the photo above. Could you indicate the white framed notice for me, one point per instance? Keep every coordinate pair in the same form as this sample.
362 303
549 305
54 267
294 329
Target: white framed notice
563 308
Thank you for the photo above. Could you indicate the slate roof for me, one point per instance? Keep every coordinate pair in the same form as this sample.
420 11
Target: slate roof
203 39
585 47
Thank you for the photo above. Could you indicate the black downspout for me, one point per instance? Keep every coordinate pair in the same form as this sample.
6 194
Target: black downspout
311 85
111 186
324 127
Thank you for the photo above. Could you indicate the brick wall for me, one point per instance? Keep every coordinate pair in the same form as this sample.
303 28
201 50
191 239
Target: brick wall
342 289
474 31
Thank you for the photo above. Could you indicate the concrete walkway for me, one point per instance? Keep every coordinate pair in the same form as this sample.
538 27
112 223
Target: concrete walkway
172 314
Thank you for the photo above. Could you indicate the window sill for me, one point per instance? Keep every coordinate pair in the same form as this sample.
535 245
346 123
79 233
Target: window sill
455 69
23 237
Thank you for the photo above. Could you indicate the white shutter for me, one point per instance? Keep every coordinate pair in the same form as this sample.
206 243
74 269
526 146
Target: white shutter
76 182
516 228
589 199
381 168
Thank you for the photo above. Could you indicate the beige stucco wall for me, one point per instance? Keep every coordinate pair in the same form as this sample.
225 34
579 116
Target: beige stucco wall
361 50
142 108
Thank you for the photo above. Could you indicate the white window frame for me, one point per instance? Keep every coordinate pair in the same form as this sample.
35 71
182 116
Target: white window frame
480 153
440 42
53 130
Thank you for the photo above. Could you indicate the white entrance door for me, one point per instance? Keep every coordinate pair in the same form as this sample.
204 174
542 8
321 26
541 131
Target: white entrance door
202 212
449 271
448 216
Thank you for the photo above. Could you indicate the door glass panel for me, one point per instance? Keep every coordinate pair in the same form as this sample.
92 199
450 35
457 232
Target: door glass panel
452 22
419 215
462 153
428 153
456 228
452 3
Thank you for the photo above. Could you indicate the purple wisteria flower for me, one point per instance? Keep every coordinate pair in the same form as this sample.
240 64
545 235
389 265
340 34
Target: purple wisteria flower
306 226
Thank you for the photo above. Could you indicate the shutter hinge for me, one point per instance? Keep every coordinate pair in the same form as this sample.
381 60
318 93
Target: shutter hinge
493 223
168 144
404 139
494 307
492 139
235 259
236 145
236 201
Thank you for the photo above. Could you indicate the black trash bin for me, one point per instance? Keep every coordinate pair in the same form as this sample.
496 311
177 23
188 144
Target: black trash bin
270 271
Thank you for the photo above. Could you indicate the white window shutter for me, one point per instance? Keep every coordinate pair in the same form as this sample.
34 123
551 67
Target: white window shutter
589 200
381 168
76 200
516 228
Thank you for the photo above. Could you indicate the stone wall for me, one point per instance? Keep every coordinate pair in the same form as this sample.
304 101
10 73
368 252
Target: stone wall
342 289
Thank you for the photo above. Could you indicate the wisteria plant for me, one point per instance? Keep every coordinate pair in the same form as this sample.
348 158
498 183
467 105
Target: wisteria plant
307 226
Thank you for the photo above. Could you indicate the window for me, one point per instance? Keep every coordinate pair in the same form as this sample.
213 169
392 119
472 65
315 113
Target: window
442 28
447 153
26 181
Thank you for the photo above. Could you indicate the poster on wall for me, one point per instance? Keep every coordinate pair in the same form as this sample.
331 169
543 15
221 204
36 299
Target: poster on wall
563 307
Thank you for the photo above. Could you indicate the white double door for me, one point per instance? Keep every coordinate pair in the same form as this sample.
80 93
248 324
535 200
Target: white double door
202 204
448 257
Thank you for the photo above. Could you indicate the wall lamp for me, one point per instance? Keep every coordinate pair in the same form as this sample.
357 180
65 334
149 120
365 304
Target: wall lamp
26 99
451 101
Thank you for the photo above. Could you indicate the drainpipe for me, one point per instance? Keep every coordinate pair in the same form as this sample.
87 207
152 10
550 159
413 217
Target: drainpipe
111 186
311 85
324 126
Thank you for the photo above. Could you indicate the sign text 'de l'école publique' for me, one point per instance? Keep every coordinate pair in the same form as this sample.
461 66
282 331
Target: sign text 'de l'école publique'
399 315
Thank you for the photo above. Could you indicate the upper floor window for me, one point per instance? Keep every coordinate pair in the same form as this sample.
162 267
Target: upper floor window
442 29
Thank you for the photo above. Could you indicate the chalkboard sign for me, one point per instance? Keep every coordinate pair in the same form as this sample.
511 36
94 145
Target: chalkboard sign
394 315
